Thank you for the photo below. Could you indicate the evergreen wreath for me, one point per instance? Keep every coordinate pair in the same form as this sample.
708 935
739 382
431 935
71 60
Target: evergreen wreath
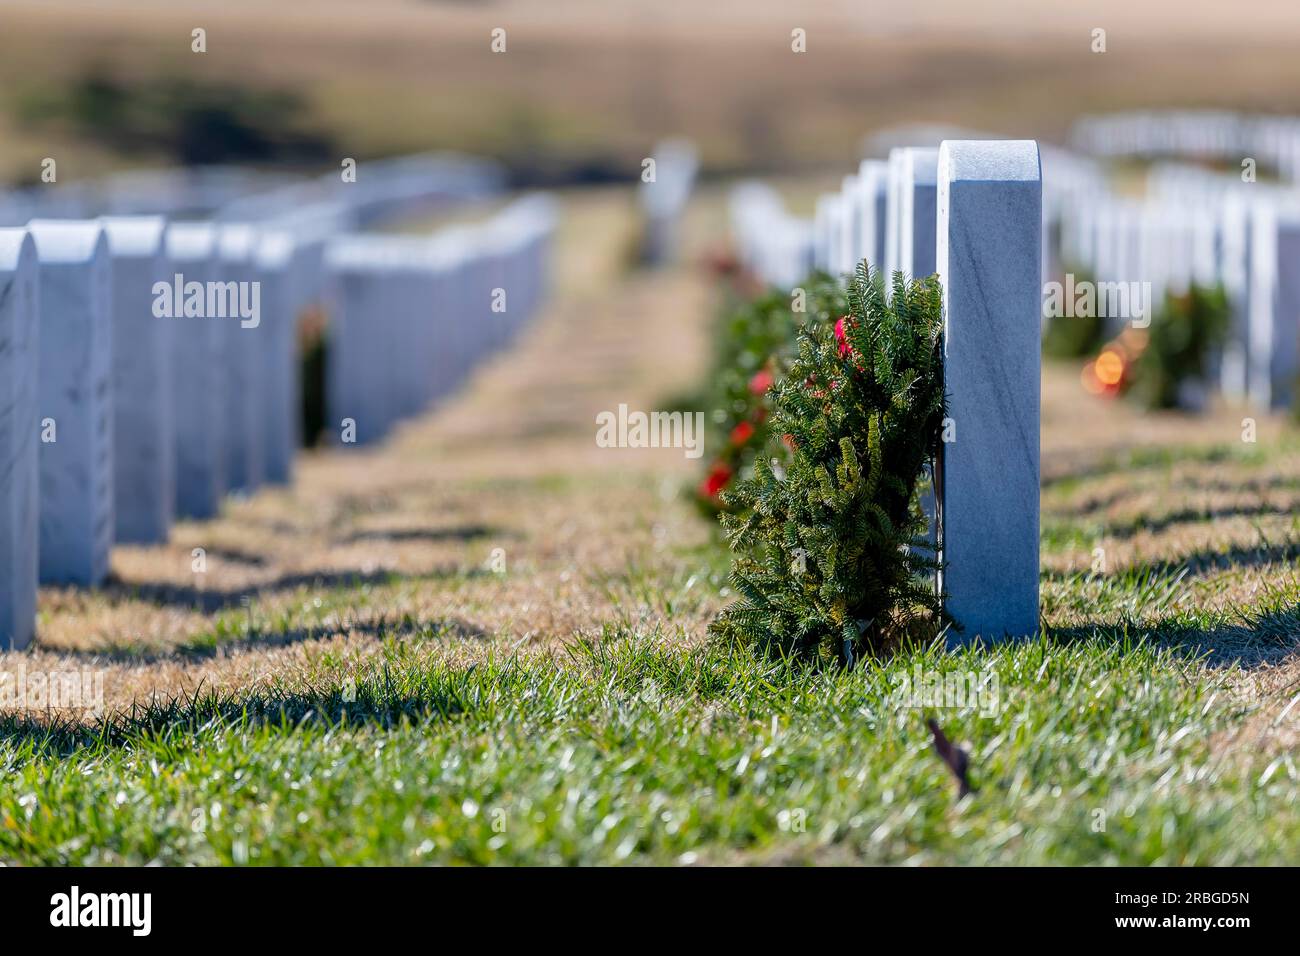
754 343
830 559
1183 336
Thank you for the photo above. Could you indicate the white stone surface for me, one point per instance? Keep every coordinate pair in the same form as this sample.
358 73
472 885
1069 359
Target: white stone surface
1274 309
19 438
988 257
144 452
918 169
284 267
873 184
198 383
76 290
243 357
1236 268
893 214
845 246
356 377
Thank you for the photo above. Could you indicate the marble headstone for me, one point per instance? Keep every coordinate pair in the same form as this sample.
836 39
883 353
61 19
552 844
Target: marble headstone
893 214
988 257
19 438
873 185
243 347
1235 263
144 453
198 383
918 169
1274 309
359 399
283 265
76 401
846 250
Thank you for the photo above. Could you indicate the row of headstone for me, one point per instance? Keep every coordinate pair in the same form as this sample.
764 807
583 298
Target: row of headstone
667 178
1190 227
1067 175
148 369
411 316
371 192
776 245
1272 141
970 211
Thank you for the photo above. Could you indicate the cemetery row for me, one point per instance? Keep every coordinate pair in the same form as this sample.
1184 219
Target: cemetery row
1115 253
970 211
377 190
1211 135
149 368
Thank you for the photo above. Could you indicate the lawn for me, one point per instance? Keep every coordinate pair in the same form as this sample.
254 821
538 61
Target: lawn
486 642
630 748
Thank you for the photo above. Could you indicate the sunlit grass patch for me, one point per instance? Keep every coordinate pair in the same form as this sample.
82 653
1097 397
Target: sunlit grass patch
626 749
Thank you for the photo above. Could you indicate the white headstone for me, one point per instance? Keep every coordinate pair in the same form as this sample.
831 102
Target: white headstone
243 348
358 390
873 184
988 259
283 265
917 218
1274 309
1236 268
893 214
76 407
198 383
144 452
846 251
19 438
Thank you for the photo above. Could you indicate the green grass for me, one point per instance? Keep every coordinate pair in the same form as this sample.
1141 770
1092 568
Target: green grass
625 750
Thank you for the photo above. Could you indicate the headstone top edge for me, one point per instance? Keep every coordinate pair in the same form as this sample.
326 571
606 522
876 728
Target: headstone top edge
236 241
68 241
190 241
1000 160
139 236
17 249
921 165
873 173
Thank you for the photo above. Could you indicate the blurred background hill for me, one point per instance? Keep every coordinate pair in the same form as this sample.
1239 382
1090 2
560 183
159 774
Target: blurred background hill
586 86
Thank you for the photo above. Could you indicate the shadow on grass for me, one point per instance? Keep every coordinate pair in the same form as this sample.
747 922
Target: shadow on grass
1251 643
210 643
1098 504
1140 601
1065 471
1201 563
377 700
461 533
208 601
1123 530
236 556
1251 637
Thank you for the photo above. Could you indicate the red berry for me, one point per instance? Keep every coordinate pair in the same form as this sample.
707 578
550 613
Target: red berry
742 433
